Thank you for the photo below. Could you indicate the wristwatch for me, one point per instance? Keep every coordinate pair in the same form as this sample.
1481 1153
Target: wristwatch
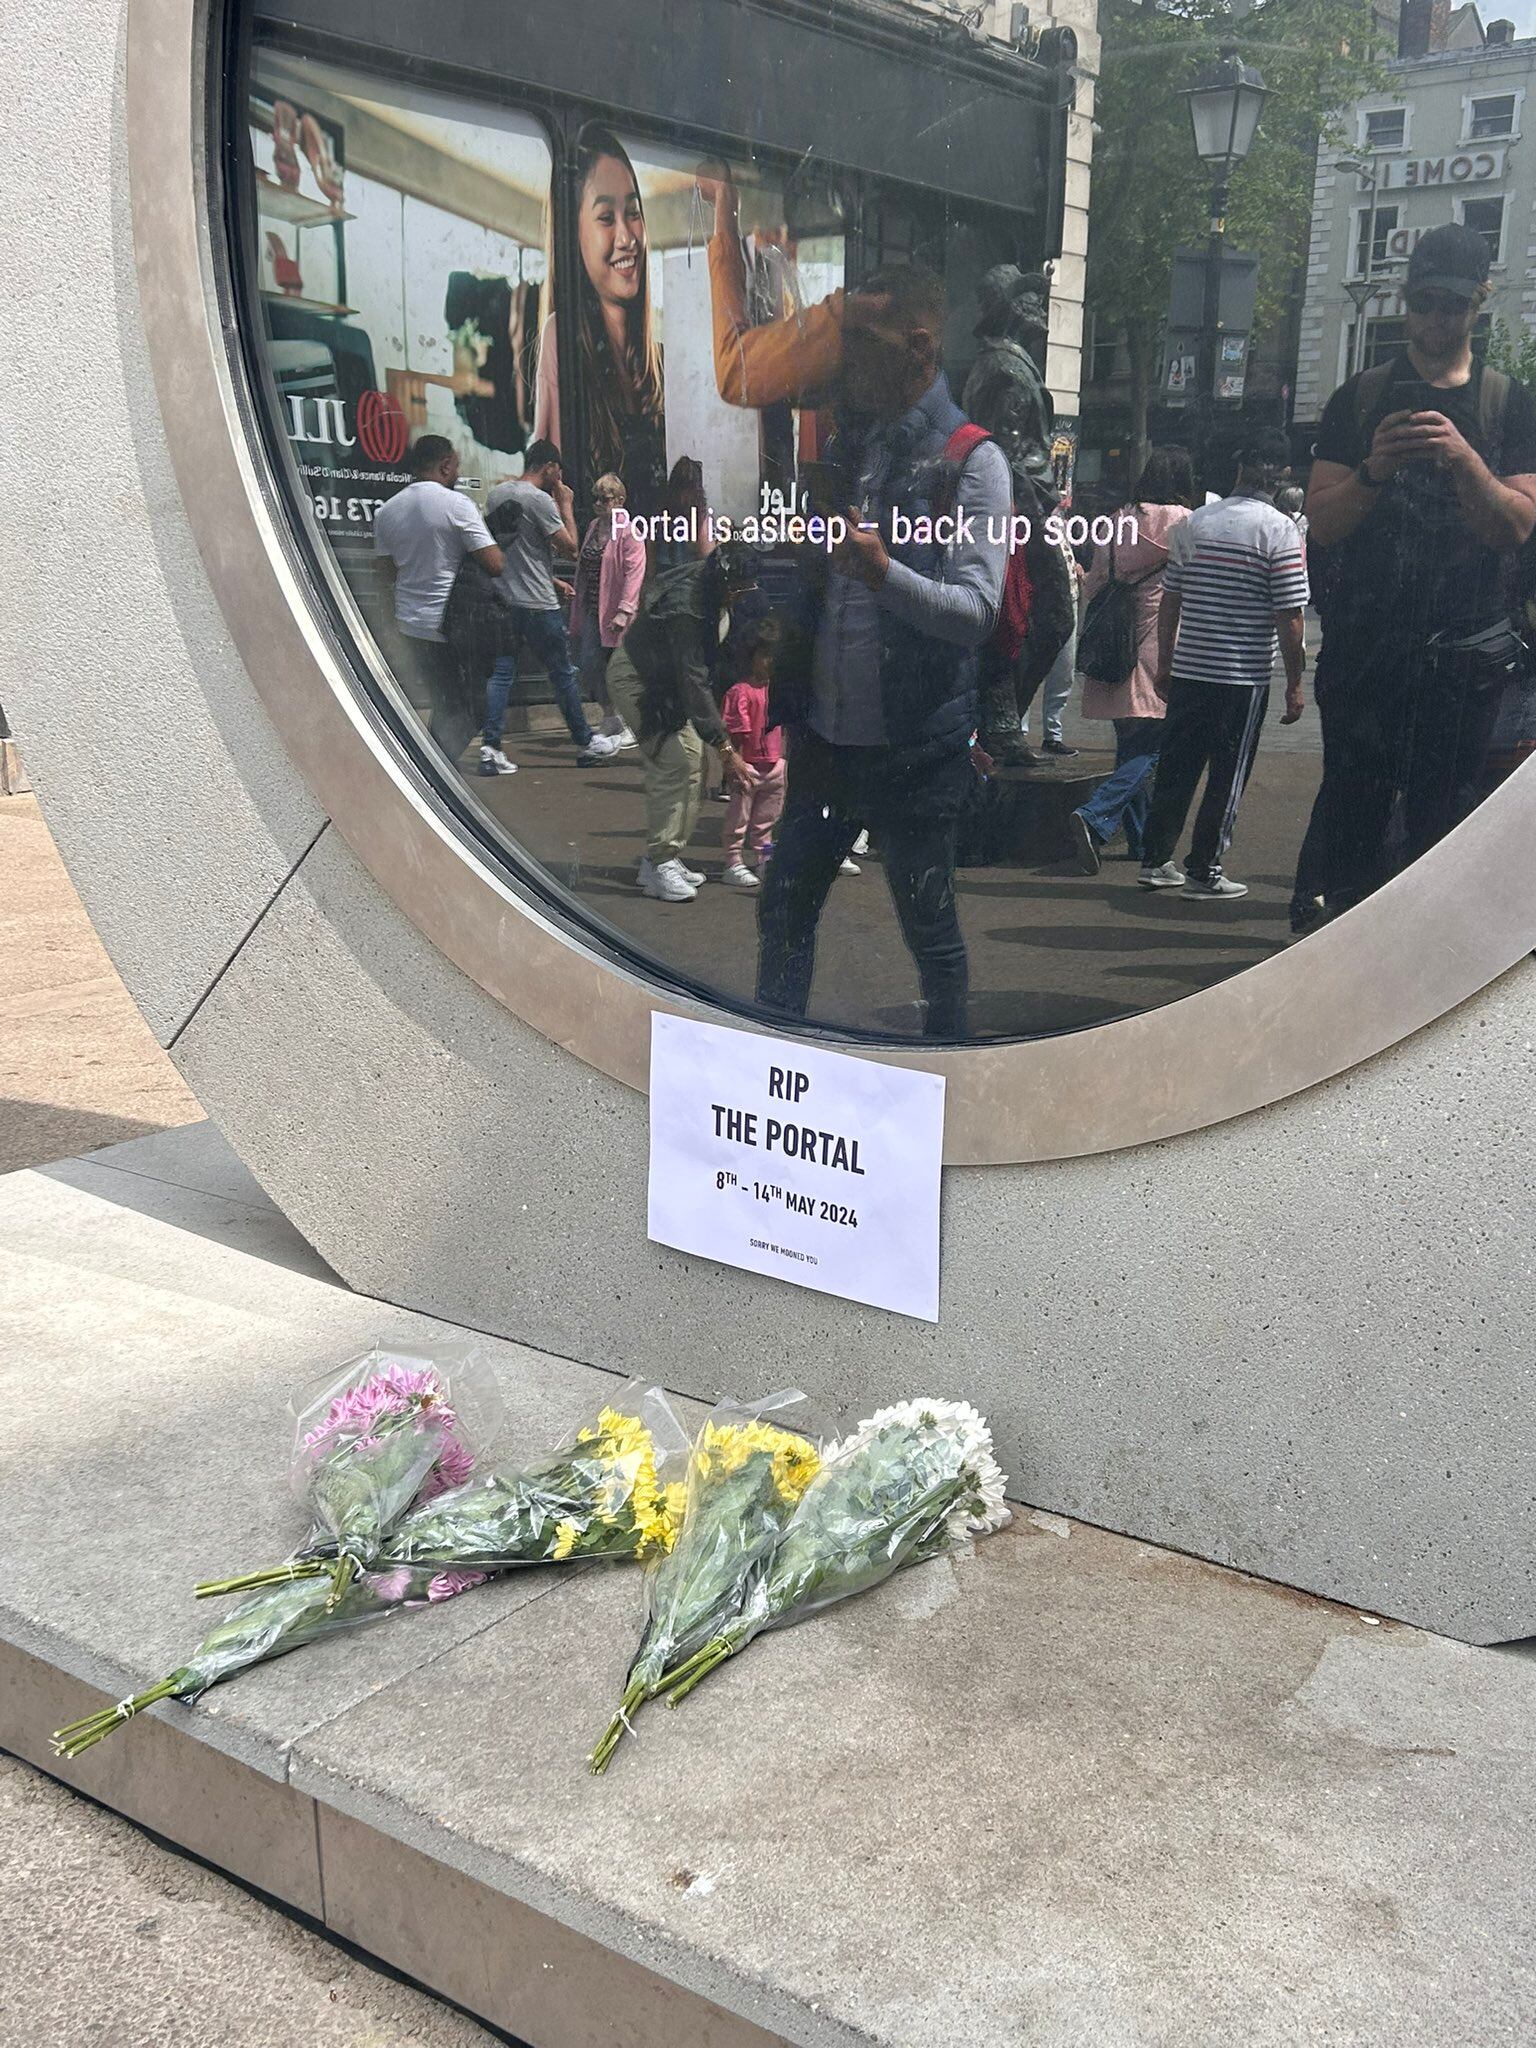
1363 476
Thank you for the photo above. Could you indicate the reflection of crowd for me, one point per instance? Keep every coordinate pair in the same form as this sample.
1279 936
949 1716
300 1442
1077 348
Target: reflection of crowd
895 674
1417 520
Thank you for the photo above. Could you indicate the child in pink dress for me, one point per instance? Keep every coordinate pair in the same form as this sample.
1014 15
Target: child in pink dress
751 814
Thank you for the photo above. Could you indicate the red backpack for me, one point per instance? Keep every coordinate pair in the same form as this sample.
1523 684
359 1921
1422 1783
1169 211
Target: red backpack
1013 612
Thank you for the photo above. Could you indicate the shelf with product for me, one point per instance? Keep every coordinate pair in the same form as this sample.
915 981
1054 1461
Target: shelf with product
321 306
300 195
297 209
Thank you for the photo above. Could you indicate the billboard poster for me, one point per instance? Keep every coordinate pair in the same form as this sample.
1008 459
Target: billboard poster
407 286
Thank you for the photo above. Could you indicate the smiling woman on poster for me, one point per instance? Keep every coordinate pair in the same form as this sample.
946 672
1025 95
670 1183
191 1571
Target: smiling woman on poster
615 340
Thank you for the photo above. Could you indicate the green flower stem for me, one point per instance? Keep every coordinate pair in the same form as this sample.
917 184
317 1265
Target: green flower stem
80 1736
678 1684
687 1667
345 1573
274 1575
636 1694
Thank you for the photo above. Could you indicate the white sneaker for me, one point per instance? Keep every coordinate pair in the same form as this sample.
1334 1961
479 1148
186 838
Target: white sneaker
850 867
738 877
1166 877
861 844
1220 887
598 748
613 728
494 762
692 875
665 881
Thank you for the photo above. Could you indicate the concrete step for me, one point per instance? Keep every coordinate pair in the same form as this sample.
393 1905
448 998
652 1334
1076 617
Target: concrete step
1071 1790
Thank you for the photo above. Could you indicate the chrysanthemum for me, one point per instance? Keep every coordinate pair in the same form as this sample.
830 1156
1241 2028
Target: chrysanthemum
984 1507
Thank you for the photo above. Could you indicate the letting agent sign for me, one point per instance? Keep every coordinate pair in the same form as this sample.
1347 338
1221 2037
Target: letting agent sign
808 1165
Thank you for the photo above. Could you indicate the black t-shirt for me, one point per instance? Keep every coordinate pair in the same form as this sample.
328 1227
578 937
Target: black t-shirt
1413 566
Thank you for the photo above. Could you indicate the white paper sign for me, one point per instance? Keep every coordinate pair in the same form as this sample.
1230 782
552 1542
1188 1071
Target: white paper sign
808 1165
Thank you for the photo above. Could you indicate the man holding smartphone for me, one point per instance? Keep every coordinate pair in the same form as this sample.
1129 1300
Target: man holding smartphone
1424 483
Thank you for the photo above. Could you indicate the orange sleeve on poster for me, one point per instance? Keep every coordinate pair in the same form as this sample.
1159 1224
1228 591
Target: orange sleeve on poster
785 359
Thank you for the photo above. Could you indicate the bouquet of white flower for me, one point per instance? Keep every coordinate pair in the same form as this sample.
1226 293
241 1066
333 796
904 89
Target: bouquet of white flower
912 1481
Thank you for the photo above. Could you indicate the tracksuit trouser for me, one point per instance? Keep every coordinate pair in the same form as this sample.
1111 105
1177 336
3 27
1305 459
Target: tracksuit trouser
1214 728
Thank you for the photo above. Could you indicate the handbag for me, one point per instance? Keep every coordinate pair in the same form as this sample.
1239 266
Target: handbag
1106 646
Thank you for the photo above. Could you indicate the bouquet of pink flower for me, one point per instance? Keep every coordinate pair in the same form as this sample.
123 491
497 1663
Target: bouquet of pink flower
606 1493
391 1429
269 1623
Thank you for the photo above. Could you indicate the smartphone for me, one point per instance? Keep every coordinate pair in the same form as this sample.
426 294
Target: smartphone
828 486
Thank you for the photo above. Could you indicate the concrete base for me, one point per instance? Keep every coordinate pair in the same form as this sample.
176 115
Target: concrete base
1073 1790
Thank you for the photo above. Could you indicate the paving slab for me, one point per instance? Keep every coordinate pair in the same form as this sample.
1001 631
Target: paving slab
150 1337
112 1939
1071 1790
78 1064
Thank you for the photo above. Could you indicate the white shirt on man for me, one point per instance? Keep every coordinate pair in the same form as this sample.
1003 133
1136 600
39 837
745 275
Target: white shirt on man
1234 565
427 530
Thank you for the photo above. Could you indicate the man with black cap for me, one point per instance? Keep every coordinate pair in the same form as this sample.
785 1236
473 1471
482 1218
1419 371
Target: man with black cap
1006 394
1424 483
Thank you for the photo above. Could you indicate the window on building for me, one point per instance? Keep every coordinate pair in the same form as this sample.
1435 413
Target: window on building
1485 217
1386 226
1382 339
1491 116
1387 128
1103 352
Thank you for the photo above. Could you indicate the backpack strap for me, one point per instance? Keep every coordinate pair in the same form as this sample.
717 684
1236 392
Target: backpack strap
961 443
1492 406
957 451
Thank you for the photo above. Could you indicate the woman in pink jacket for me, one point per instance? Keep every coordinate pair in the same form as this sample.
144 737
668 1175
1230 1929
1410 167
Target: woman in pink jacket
1165 492
609 572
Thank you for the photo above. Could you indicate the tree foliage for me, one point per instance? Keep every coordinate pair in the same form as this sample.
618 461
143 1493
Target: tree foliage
1513 350
1150 191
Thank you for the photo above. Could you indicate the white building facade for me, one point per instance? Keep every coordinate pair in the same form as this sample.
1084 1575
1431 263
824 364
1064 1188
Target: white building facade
1445 141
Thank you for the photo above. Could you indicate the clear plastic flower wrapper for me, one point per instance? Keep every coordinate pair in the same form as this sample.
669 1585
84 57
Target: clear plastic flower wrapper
913 1481
269 1623
749 1466
607 1492
388 1429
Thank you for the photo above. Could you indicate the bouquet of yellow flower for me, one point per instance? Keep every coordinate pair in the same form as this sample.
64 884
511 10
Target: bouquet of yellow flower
745 1477
914 1480
605 1493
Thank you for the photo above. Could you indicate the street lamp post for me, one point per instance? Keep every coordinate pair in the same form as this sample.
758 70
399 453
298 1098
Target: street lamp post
1363 289
1225 103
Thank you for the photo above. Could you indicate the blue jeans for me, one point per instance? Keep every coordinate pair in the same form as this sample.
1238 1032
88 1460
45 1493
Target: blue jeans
1125 797
544 633
592 663
1055 691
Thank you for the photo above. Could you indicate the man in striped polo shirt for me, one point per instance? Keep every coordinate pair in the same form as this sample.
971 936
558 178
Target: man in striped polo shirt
1235 584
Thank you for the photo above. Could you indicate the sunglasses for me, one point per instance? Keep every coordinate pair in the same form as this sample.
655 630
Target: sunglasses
1444 303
